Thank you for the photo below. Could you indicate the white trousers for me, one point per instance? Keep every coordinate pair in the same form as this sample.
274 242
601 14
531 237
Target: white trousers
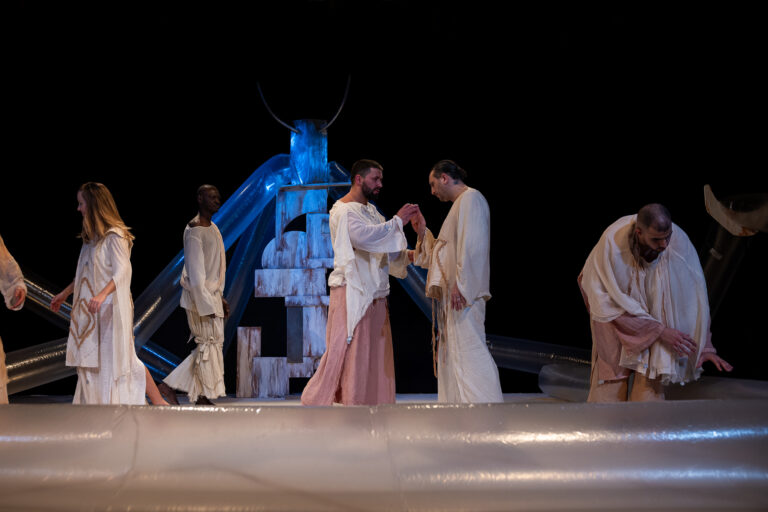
202 372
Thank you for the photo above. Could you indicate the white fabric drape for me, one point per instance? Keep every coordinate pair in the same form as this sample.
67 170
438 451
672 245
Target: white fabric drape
670 290
202 371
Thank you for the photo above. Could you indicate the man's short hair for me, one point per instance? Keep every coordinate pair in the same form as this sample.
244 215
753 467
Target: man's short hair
654 216
450 168
362 167
203 188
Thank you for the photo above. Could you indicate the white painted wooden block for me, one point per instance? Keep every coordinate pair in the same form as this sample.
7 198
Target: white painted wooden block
294 255
307 300
318 236
314 319
282 283
304 369
248 347
270 377
292 203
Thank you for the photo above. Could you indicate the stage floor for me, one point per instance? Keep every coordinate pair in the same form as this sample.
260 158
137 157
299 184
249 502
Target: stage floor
293 400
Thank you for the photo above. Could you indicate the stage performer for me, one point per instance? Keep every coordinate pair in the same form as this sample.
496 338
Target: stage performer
100 342
14 292
201 374
358 366
458 282
647 298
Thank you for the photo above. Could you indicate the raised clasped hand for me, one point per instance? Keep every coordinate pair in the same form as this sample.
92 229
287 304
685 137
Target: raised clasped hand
407 212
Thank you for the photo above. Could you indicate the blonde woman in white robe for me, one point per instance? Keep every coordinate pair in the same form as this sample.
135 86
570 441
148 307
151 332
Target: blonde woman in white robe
100 342
14 292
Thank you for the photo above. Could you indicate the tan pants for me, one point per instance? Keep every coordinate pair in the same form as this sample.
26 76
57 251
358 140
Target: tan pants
642 389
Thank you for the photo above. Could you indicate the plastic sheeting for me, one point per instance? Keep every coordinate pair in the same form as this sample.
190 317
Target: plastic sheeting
650 456
571 382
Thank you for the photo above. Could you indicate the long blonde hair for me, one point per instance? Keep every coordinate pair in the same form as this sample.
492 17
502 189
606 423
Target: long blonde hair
100 213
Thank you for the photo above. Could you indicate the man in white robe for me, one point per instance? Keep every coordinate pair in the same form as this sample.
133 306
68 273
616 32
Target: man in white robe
647 298
201 374
357 367
458 279
14 292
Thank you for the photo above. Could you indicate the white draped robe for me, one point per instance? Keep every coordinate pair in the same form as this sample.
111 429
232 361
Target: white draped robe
466 372
670 290
101 345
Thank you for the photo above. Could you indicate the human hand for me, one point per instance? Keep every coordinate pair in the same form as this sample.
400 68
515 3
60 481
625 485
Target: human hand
713 358
678 342
95 303
225 305
56 302
19 294
407 212
418 223
410 253
458 302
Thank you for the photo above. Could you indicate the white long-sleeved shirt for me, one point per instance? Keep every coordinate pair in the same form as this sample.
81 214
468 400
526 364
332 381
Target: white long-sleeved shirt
367 249
204 271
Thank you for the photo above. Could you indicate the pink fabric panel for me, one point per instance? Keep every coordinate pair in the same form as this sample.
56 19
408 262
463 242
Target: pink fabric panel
359 373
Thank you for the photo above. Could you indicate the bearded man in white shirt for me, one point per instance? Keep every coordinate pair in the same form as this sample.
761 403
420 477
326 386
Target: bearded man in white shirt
357 367
201 374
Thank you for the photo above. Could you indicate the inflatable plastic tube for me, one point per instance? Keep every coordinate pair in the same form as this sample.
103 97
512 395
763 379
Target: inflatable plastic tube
685 455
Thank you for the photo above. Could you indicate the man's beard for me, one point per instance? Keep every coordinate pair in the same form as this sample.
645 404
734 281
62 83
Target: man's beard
370 193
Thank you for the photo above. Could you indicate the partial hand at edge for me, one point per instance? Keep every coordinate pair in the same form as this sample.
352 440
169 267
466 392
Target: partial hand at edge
458 302
19 294
720 363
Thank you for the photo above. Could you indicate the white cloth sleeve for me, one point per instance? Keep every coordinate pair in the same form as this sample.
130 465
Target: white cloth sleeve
422 254
385 237
398 264
194 262
10 277
119 257
472 246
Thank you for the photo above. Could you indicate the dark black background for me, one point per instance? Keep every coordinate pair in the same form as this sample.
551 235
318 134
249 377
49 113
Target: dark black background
565 116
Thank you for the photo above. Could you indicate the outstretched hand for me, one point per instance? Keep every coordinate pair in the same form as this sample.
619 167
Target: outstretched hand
718 361
407 212
56 302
